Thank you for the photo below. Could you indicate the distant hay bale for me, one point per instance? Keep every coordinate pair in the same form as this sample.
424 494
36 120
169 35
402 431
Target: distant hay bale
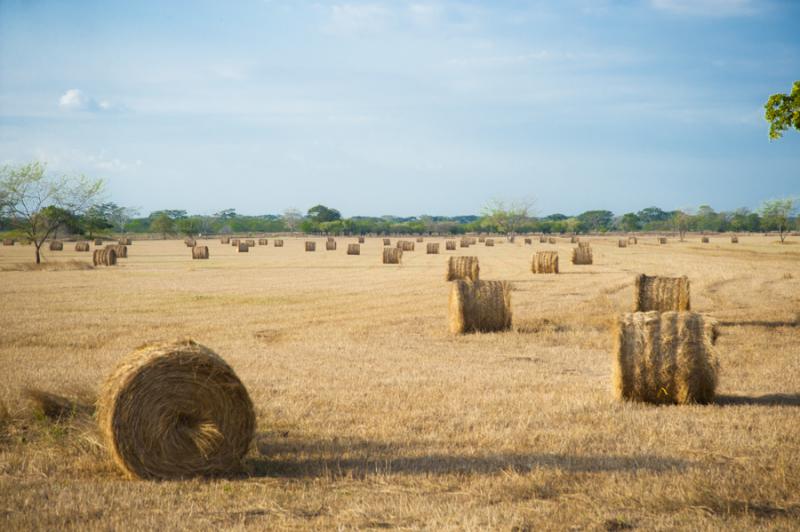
311 246
481 239
543 239
277 243
119 250
263 242
633 240
734 239
82 246
361 240
175 410
551 240
420 239
8 241
354 249
98 241
662 240
704 240
225 240
472 240
250 243
528 241
573 239
661 293
511 239
331 239
105 257
464 243
56 245
235 242
200 252
392 255
462 268
387 242
622 243
489 242
330 245
405 245
665 358
432 248
582 254
479 306
545 262
190 242
125 241
450 245
243 247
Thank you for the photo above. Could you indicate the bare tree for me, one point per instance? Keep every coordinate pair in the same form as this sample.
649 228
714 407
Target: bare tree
508 217
292 218
37 203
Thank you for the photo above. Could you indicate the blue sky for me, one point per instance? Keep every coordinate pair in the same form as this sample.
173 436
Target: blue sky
404 108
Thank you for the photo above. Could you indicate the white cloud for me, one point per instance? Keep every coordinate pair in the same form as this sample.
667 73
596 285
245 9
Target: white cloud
357 18
77 100
706 8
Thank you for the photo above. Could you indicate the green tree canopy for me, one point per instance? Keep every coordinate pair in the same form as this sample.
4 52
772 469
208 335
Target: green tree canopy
782 111
321 213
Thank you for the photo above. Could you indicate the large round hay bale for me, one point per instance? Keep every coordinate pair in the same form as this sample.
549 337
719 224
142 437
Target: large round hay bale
175 410
82 246
481 239
354 249
405 245
622 243
450 245
464 243
661 293
277 243
461 268
432 248
662 240
235 242
8 241
543 239
489 242
361 240
392 255
190 242
387 242
665 358
121 251
704 240
200 252
582 254
105 257
633 240
330 245
225 240
263 242
420 239
311 246
545 262
250 243
56 245
125 241
528 242
734 239
479 306
243 247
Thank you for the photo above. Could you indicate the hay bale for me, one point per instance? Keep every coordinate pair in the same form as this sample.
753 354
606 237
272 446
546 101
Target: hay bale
250 243
482 239
263 242
734 239
120 251
405 245
661 293
81 246
225 240
528 241
330 245
633 240
462 268
105 257
464 243
545 262
190 242
277 243
472 240
510 239
582 254
704 240
243 247
98 242
56 245
235 242
392 255
573 239
420 239
450 245
354 249
361 240
311 246
551 240
432 248
665 358
200 252
622 243
489 242
175 410
124 241
8 241
662 240
479 306
543 239
387 242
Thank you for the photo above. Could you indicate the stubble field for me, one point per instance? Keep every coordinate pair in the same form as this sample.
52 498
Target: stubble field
371 415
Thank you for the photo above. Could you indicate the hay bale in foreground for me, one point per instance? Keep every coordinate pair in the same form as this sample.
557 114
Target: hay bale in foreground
105 257
200 252
56 245
528 242
277 243
354 249
175 410
432 248
392 255
704 240
489 242
121 251
311 246
734 239
661 293
8 241
225 240
263 242
665 358
662 240
545 262
460 268
387 242
622 243
450 245
82 246
479 306
582 254
243 247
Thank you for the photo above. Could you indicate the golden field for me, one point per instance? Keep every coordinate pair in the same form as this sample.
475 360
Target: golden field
372 416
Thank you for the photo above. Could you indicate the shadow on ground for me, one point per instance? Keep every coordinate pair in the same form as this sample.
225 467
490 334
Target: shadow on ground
774 399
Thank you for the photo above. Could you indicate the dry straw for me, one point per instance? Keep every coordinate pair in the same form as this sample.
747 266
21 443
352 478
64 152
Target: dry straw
432 249
551 240
622 243
105 257
235 242
82 246
665 358
633 240
543 239
120 250
190 242
734 239
225 240
528 241
461 268
661 293
582 254
405 245
545 262
330 245
387 242
98 241
125 241
175 410
277 243
8 241
662 240
450 245
361 240
311 246
392 255
479 306
250 243
200 252
489 242
354 249
56 245
243 247
704 240
263 242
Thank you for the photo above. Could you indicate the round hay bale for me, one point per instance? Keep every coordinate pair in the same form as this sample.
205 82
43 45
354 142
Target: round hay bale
330 245
528 242
432 248
543 239
662 240
545 262
105 257
551 240
405 245
263 242
125 241
661 293
461 268
190 242
573 239
175 410
250 243
633 240
277 243
622 243
235 242
243 247
704 240
479 306
392 255
98 241
420 239
200 252
225 240
8 241
354 249
361 240
464 243
450 245
387 242
582 254
121 251
665 358
734 239
82 246
97 257
56 245
489 242
311 246
481 239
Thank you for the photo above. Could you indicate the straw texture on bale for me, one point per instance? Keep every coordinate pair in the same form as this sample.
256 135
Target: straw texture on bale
528 241
420 239
225 240
665 358
734 239
662 240
543 239
704 240
235 242
263 242
661 293
250 243
105 257
432 248
8 241
460 268
551 240
582 254
243 247
405 245
622 243
387 242
511 239
633 240
464 243
175 410
125 241
200 252
573 239
277 243
354 249
545 262
361 240
472 240
311 246
392 255
489 242
56 245
190 242
450 245
121 251
330 245
82 246
479 306
481 239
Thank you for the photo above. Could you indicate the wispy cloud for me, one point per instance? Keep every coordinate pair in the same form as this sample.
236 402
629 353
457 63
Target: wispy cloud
77 100
706 8
355 18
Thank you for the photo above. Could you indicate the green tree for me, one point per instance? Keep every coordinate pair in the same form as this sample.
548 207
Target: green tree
37 203
782 111
777 214
190 226
321 213
596 220
97 219
630 222
163 224
680 222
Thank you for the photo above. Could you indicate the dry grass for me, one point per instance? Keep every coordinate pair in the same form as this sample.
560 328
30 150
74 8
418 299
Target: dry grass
370 414
462 268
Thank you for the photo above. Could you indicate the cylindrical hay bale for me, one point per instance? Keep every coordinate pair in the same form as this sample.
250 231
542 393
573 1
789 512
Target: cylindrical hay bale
665 358
472 240
8 241
545 262
543 239
662 240
125 241
573 239
56 245
511 239
105 257
387 242
311 246
704 240
582 254
479 306
528 242
633 240
392 255
462 268
120 251
330 245
81 246
661 293
489 242
354 249
277 243
200 252
263 242
420 239
405 245
481 239
464 243
243 247
98 241
225 240
551 240
175 410
450 245
734 239
190 242
250 243
97 257
432 248
622 243
235 242
361 240
331 239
